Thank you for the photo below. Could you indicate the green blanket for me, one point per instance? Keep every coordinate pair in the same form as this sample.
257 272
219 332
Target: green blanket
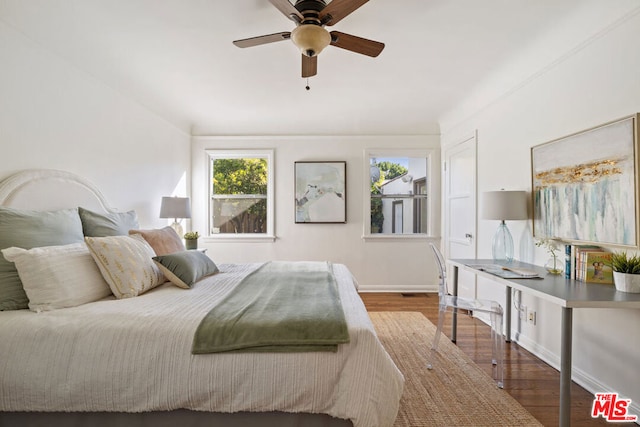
280 307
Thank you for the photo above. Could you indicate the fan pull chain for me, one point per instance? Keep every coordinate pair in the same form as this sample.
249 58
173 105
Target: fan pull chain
307 86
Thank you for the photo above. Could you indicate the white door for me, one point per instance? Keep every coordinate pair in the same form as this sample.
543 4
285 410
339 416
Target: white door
460 208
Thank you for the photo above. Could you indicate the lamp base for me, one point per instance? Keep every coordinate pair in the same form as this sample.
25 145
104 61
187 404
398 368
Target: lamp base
178 228
502 244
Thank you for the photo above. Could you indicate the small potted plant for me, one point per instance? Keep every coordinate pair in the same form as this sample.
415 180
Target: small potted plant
626 272
191 239
553 265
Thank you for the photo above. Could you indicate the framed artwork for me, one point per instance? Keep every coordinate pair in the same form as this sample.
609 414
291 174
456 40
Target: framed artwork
321 192
584 186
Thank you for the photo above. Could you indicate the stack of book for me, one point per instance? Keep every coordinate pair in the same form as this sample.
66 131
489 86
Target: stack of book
589 264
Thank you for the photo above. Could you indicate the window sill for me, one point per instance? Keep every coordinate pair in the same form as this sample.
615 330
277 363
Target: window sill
238 238
398 237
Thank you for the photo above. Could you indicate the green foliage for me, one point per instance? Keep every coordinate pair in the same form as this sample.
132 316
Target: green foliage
623 263
390 170
377 217
240 176
191 235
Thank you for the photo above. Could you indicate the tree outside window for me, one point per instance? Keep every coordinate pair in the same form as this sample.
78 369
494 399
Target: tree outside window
388 170
239 190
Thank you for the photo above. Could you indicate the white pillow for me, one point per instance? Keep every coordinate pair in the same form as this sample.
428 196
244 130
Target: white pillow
58 276
126 264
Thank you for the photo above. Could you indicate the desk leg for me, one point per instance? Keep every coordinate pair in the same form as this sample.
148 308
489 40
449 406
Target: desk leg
565 366
507 316
454 319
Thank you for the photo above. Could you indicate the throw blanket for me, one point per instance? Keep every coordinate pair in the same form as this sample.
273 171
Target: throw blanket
281 307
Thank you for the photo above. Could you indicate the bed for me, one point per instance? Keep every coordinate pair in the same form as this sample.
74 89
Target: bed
129 361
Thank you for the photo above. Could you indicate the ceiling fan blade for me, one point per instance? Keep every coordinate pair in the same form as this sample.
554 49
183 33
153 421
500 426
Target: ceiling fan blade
269 38
287 10
356 44
309 66
339 9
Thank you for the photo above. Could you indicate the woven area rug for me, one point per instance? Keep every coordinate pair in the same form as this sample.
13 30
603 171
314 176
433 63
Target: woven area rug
456 392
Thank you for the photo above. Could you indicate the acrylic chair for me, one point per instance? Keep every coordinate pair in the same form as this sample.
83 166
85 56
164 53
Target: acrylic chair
447 301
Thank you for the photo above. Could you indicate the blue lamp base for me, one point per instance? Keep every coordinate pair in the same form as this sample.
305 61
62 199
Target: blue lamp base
502 244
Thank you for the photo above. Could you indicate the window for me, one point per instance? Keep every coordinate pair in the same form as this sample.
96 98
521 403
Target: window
398 217
240 193
397 202
420 224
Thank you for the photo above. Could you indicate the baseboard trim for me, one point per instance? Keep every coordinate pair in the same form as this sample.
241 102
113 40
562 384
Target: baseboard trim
398 289
579 376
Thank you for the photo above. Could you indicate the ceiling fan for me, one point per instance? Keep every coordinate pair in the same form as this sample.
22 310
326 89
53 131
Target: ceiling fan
310 36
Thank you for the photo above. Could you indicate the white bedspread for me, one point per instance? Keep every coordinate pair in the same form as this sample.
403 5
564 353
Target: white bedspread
134 355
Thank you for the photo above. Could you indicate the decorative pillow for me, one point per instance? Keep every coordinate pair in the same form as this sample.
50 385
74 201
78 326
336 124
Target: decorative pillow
96 224
163 241
29 229
58 276
185 268
125 263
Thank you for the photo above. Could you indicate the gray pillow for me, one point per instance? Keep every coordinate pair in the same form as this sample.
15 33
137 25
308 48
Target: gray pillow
185 268
31 229
96 224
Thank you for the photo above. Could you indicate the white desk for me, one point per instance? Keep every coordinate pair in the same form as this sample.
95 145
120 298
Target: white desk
568 294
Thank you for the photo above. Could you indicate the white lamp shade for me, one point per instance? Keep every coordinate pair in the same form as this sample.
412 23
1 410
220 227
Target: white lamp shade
175 207
504 205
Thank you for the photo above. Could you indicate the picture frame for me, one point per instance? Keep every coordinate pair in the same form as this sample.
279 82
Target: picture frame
584 186
320 192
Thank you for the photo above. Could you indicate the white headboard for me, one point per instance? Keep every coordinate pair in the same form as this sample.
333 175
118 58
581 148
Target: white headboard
49 189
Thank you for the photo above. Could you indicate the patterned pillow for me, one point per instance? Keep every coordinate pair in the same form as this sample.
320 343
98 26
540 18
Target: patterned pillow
125 263
185 268
163 241
96 224
58 276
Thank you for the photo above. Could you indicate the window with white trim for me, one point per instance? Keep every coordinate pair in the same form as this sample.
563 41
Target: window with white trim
397 198
240 193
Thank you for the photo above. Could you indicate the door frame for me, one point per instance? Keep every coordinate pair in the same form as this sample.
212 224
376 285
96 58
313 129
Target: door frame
448 151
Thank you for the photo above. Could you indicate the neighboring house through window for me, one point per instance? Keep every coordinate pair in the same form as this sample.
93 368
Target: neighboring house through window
420 206
398 200
397 226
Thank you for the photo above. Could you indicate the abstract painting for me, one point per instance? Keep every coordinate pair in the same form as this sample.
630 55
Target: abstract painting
584 185
321 192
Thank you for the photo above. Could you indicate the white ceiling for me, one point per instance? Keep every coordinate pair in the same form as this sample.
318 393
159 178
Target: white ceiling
176 58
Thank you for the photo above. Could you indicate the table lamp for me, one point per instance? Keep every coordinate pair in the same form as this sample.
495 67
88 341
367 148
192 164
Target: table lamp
176 208
503 206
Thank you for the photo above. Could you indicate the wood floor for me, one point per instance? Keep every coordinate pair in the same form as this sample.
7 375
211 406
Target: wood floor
528 379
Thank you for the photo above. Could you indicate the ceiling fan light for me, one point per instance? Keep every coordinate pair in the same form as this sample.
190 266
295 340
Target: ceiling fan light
310 38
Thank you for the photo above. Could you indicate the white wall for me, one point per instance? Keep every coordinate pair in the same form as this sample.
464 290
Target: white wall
55 116
378 265
594 82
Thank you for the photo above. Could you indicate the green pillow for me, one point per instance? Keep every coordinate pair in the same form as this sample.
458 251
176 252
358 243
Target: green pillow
185 268
96 224
31 229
